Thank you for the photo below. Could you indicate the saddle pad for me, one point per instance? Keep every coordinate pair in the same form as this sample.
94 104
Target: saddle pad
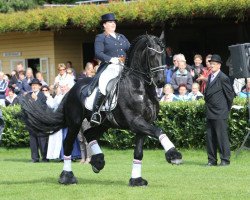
90 100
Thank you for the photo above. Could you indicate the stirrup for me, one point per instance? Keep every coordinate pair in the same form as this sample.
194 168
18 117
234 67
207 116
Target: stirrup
96 121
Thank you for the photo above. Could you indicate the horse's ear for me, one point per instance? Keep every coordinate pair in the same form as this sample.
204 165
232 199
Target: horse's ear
162 36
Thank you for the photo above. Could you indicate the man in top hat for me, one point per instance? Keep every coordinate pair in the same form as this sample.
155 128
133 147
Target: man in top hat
219 96
36 142
110 47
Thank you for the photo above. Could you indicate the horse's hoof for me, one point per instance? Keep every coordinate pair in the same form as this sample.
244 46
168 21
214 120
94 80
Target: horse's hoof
133 182
95 170
173 156
97 161
67 178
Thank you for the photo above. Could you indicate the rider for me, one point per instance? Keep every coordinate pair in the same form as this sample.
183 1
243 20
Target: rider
110 47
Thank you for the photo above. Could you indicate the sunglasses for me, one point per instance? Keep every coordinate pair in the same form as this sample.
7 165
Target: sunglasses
45 90
61 69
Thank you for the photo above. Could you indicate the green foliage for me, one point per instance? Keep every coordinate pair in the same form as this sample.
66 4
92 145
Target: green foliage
183 122
16 5
148 11
14 134
185 125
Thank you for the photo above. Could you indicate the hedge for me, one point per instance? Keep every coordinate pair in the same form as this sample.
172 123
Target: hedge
141 11
183 122
185 125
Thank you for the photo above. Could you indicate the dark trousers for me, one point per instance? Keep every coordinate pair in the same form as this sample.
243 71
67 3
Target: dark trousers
217 137
38 143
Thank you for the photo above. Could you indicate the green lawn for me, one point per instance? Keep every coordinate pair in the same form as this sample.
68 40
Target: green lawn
21 179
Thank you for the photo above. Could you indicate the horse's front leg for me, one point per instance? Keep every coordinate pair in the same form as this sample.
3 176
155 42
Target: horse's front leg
97 157
143 127
67 177
136 179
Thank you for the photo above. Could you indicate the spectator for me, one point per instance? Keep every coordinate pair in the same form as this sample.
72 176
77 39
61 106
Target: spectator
245 92
203 78
219 97
87 72
38 142
12 98
69 65
19 85
15 75
195 94
182 96
181 76
169 72
238 85
197 68
3 88
39 76
168 93
63 77
169 56
27 80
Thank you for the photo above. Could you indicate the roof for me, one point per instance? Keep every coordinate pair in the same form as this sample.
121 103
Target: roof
141 11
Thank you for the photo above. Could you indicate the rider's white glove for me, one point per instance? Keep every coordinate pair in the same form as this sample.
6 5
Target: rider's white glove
114 60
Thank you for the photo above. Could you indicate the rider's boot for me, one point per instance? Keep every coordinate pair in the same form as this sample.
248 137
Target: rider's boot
96 116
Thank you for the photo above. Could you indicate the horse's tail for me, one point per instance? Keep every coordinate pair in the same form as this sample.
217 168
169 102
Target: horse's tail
42 120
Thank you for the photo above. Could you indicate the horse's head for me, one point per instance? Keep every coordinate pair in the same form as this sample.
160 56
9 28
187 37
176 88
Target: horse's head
145 59
154 56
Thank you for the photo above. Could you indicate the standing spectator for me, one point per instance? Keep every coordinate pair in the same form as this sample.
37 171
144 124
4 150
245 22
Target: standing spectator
3 88
183 95
181 76
69 65
219 96
206 72
19 84
12 98
171 70
246 92
195 94
39 76
197 68
169 56
15 75
27 80
168 93
38 142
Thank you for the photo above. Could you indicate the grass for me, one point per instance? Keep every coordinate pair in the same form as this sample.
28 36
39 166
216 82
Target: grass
21 179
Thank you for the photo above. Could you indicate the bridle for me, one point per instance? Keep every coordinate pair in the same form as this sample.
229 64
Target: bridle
148 76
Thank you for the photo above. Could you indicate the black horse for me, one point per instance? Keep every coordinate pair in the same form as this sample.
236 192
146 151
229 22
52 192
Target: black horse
136 110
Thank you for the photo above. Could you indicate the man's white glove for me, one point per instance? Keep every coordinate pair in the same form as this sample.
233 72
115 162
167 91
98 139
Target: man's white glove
114 60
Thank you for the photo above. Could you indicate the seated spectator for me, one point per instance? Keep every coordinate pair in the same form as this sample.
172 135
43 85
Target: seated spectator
195 94
3 88
181 76
12 98
168 93
245 92
203 78
197 68
19 84
183 95
63 77
39 76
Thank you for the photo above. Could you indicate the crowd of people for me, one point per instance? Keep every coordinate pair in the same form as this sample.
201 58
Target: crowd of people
186 82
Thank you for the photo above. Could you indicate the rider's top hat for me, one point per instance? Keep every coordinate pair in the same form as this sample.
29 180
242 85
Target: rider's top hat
35 81
216 58
108 17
